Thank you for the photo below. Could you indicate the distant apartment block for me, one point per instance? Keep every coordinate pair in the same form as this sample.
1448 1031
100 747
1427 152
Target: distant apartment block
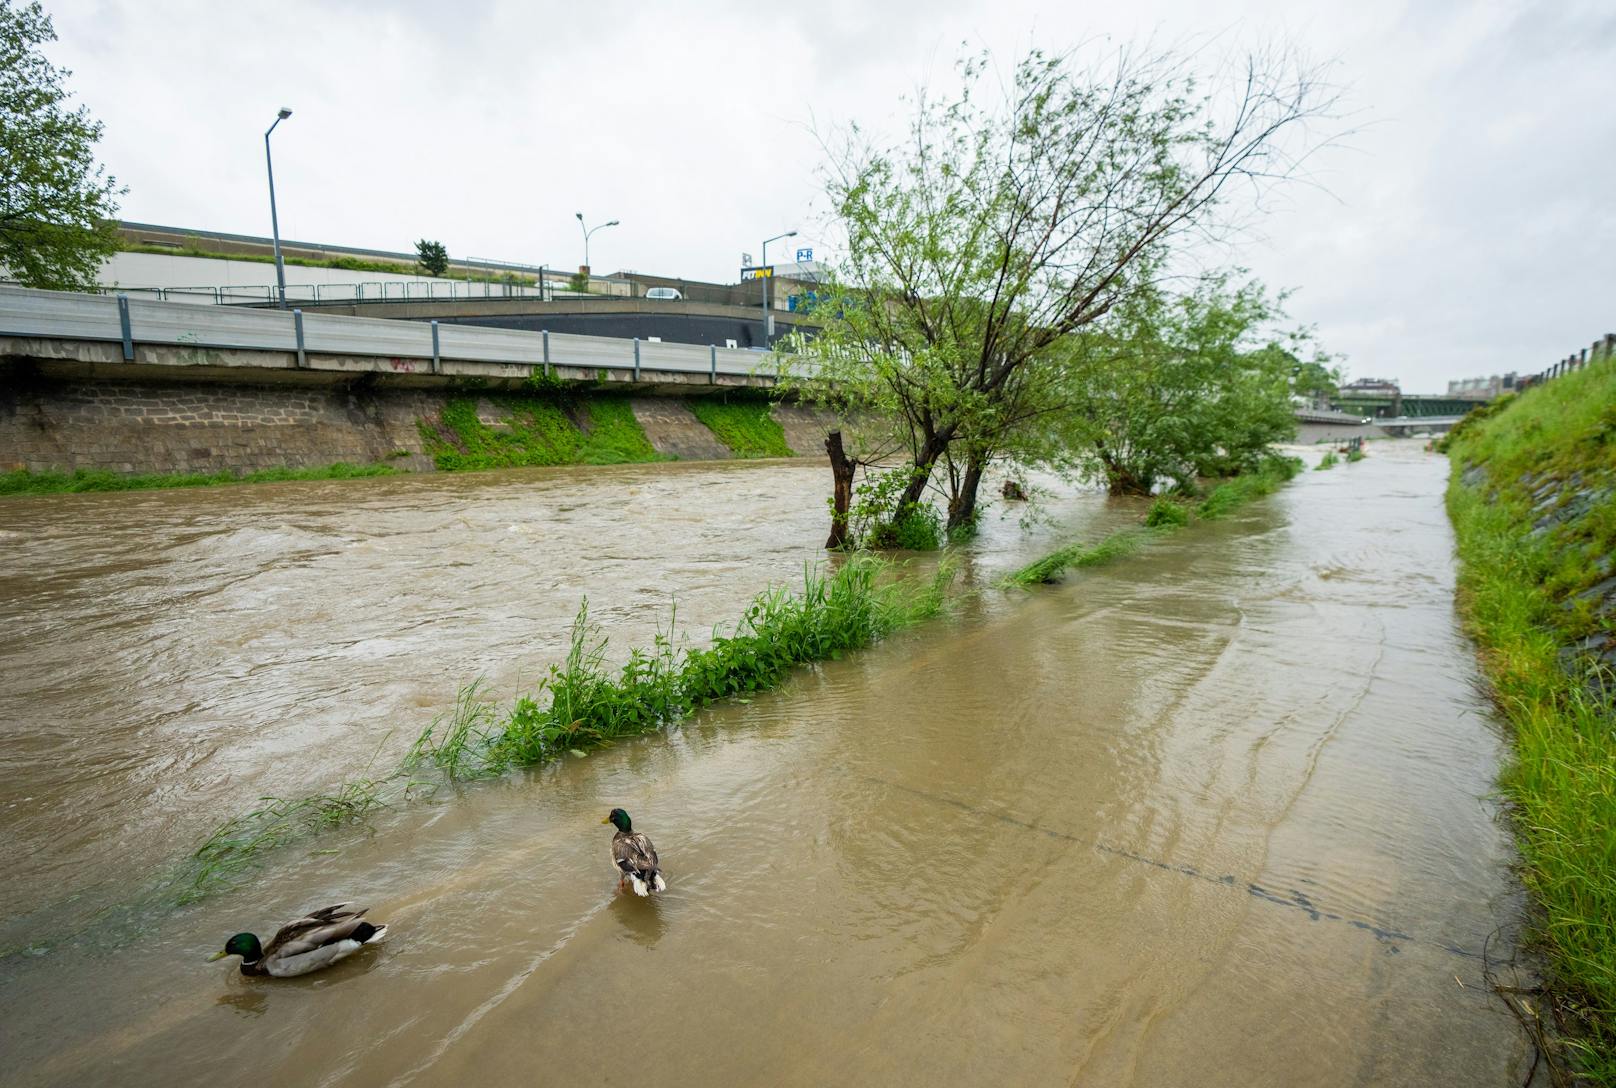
1482 388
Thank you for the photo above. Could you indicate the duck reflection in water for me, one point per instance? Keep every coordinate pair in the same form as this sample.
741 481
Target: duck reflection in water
641 919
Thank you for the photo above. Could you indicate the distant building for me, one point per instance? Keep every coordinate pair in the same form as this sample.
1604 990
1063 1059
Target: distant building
1383 387
1483 388
1378 397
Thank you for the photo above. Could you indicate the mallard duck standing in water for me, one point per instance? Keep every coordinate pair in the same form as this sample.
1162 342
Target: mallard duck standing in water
306 944
634 856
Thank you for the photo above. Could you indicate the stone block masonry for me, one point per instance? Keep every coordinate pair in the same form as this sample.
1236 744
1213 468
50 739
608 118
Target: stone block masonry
144 427
61 423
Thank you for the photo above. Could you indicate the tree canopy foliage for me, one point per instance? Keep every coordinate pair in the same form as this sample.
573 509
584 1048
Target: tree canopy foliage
432 257
57 205
1003 226
1168 388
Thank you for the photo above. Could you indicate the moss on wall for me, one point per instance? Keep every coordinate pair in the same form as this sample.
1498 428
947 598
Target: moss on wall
536 430
745 426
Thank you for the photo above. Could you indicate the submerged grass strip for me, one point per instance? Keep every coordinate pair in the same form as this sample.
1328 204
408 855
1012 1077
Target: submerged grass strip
1165 515
1528 587
24 482
583 704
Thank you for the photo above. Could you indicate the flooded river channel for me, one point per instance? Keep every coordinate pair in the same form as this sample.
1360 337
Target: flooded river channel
1215 814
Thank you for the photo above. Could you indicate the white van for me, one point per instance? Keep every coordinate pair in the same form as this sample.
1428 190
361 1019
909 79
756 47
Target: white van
665 294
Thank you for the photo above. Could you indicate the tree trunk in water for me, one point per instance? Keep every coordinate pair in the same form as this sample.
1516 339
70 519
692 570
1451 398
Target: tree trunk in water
924 463
962 507
841 471
1119 479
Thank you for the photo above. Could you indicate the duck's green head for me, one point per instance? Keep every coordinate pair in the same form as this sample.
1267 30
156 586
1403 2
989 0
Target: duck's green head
619 819
244 945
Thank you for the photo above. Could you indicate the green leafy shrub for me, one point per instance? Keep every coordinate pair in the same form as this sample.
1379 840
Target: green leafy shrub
916 528
1166 514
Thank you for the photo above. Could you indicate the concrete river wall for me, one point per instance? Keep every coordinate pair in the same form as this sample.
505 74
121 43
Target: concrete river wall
157 426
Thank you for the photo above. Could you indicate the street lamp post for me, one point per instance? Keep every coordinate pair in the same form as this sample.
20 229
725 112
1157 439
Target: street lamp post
274 222
764 264
590 230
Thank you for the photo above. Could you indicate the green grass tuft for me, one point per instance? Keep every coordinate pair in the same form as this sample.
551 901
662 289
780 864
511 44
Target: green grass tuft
745 426
1165 513
1328 461
1049 569
1273 474
582 704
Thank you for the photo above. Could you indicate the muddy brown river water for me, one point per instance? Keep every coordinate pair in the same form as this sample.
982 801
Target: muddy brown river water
1216 814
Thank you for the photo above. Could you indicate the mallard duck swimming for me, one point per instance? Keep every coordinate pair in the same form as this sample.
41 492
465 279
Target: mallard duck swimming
306 944
634 856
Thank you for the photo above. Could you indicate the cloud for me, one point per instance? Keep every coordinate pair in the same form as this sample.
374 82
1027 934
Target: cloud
1467 227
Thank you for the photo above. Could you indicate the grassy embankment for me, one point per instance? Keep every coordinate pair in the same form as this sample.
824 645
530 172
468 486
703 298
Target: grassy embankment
1166 515
582 704
23 482
1533 503
350 264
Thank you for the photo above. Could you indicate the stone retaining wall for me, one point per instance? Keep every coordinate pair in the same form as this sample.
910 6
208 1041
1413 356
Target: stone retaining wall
151 427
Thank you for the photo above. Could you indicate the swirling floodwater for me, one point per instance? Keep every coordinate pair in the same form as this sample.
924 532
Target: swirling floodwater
1214 814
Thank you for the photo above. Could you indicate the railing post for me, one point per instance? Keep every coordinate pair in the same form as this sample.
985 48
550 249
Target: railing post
124 328
636 358
437 359
297 327
713 348
546 352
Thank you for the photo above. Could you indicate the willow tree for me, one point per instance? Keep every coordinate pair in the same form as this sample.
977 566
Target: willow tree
1005 222
1171 387
56 202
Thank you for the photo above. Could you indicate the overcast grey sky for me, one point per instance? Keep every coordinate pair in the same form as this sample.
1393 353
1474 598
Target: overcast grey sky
1469 226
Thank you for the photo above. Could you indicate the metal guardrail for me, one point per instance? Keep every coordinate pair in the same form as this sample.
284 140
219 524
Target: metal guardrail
377 291
131 321
1603 348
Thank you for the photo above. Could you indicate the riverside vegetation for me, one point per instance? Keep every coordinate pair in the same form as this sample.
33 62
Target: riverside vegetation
24 482
1533 503
1167 513
583 704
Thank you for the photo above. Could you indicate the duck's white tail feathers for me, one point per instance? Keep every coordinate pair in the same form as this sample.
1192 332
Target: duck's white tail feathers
378 937
637 884
660 884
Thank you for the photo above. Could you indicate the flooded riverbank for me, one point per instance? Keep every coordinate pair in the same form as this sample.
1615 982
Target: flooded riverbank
1212 815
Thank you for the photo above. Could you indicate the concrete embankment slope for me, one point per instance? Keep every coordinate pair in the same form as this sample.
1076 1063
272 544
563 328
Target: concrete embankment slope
195 427
1533 502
